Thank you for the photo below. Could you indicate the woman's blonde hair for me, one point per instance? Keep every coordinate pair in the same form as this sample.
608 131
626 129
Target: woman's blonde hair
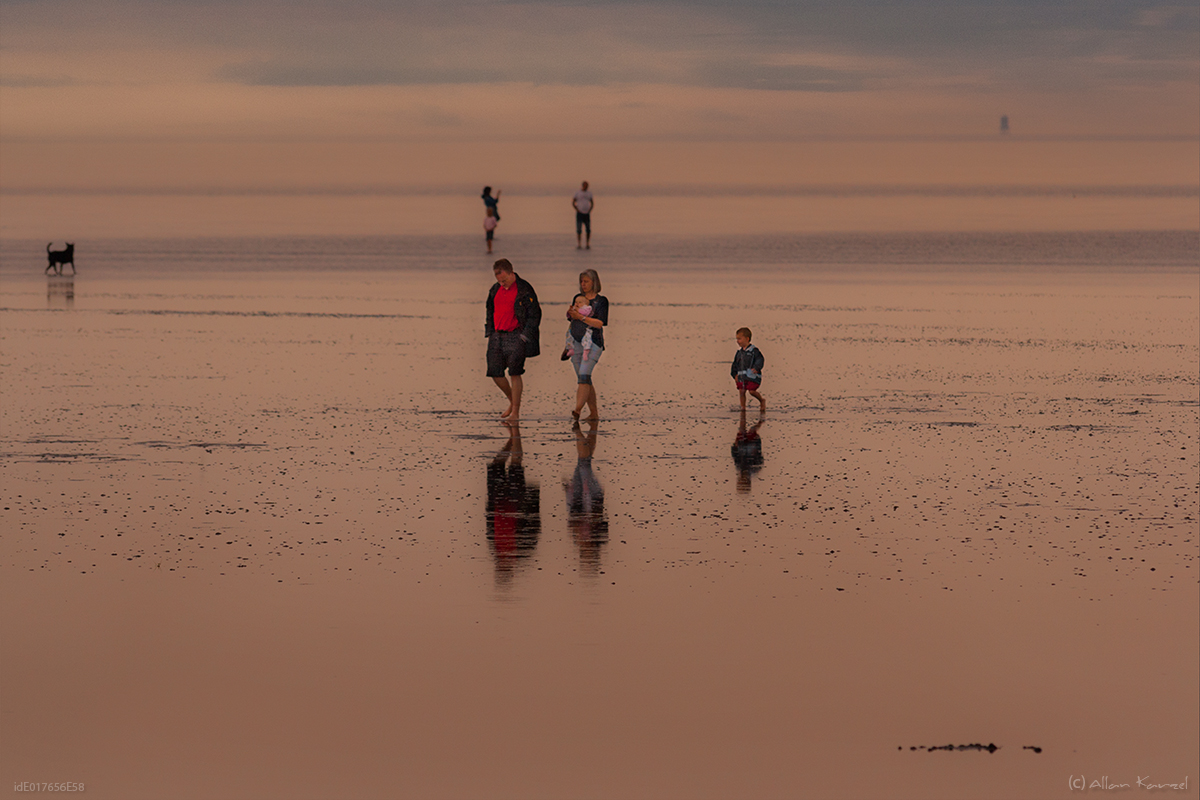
595 276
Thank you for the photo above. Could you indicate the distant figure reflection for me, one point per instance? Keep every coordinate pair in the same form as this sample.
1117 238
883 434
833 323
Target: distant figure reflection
585 503
60 291
514 520
747 451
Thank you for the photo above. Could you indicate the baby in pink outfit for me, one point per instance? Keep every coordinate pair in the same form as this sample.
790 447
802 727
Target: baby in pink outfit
584 343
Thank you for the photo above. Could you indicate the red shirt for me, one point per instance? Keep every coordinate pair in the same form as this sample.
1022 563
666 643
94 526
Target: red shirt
504 315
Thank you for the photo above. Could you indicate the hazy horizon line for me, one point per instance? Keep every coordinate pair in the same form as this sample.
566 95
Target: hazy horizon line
625 190
1191 234
817 138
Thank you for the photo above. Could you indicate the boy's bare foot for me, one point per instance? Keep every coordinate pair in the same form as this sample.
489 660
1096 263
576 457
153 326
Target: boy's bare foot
762 405
575 415
507 413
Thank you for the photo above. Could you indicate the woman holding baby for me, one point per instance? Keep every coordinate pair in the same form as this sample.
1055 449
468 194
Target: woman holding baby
585 339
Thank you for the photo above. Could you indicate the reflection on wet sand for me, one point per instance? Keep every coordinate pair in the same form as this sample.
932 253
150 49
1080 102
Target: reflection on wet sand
585 503
514 520
60 291
747 451
236 535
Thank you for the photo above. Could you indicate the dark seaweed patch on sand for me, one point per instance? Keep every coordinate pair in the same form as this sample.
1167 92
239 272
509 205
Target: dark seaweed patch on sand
950 748
990 747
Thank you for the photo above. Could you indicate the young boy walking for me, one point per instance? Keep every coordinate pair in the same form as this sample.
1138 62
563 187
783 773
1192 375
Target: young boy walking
747 369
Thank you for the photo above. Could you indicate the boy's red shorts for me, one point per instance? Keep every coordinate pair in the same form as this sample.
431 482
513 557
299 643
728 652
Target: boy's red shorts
747 386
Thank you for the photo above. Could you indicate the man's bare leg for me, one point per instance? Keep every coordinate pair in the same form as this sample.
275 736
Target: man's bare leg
505 387
517 386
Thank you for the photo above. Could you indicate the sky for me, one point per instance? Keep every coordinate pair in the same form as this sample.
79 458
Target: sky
747 70
219 95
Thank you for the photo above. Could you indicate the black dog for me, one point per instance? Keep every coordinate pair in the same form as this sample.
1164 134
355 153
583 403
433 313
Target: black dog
60 257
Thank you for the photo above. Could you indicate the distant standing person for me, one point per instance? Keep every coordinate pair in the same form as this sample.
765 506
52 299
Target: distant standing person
584 359
747 369
584 204
489 226
491 203
512 331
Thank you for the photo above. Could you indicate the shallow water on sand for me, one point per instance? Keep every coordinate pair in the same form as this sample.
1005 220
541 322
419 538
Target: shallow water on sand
265 536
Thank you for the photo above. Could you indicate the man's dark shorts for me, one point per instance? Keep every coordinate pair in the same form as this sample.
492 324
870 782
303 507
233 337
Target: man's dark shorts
506 350
581 220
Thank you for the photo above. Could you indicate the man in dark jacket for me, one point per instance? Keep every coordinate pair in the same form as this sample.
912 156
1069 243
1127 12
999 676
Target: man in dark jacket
512 330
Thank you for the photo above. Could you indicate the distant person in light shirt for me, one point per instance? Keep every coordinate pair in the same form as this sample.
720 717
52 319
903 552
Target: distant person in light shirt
584 204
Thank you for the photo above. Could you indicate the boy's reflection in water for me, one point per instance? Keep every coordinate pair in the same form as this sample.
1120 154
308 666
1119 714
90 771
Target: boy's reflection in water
585 503
747 451
514 519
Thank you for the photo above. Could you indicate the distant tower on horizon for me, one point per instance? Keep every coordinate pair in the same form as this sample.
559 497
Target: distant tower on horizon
1004 123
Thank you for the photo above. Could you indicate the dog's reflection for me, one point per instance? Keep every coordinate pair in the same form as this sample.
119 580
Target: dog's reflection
747 451
60 291
586 518
514 520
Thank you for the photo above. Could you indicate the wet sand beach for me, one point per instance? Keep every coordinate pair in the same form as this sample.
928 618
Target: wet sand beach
265 536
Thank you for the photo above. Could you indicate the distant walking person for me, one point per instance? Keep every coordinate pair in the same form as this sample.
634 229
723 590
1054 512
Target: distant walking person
747 369
584 359
512 331
491 203
584 204
489 226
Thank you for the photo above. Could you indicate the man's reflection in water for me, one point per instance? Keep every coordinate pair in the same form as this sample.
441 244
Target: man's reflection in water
514 519
747 451
585 503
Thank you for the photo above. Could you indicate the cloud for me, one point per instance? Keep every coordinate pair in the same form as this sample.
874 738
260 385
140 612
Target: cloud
752 44
779 77
297 72
650 69
438 117
36 81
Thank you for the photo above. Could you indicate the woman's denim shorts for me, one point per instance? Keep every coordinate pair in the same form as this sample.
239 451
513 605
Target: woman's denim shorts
583 368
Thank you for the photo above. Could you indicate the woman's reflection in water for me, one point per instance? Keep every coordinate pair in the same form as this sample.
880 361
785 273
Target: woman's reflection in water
747 451
514 519
585 503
